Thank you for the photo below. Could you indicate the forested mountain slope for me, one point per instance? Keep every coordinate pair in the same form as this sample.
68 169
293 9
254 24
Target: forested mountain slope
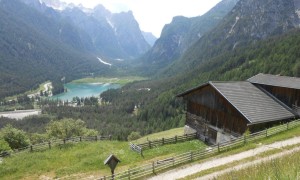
249 21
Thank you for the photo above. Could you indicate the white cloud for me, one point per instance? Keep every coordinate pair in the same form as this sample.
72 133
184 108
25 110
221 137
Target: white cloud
152 15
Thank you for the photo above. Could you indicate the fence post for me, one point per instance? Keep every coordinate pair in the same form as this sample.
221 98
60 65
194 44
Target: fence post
49 145
129 174
80 139
266 132
191 155
149 142
64 141
96 138
142 152
287 126
153 167
245 139
109 137
163 141
31 148
175 139
218 147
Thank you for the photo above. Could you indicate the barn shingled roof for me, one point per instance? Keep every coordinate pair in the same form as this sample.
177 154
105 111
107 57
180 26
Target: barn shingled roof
251 102
274 80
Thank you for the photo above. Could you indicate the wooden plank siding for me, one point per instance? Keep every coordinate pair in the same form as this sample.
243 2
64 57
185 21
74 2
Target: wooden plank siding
208 112
289 96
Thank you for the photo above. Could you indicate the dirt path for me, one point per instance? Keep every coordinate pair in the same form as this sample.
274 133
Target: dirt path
189 170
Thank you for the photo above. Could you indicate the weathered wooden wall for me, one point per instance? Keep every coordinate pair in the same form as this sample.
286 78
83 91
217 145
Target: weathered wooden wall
290 97
208 112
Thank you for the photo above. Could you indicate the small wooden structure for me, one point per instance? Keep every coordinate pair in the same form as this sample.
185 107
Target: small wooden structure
112 161
221 111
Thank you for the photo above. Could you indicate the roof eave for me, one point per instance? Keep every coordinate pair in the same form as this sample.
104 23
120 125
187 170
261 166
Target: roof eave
191 90
266 121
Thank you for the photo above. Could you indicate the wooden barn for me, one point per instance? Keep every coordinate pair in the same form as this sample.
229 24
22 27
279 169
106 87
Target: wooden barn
220 111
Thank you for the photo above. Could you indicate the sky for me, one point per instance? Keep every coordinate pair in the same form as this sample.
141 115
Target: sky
152 15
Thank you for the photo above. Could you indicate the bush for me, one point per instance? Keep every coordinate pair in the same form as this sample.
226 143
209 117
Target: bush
4 146
67 128
134 136
14 137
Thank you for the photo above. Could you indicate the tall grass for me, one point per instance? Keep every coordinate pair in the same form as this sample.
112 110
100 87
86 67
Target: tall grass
287 167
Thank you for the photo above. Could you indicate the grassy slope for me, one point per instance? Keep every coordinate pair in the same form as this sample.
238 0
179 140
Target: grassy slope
86 158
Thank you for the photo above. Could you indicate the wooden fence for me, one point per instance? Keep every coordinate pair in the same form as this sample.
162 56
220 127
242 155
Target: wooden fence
57 142
164 141
159 165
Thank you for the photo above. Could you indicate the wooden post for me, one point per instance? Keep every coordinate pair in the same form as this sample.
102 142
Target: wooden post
110 137
129 174
31 148
191 155
64 141
185 137
96 138
245 139
153 167
218 147
149 144
80 139
287 126
175 139
266 132
49 145
163 141
142 152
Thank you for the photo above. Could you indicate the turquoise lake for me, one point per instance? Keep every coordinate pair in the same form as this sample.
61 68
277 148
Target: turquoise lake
84 90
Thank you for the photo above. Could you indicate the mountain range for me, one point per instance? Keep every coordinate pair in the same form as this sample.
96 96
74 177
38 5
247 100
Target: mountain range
39 43
47 40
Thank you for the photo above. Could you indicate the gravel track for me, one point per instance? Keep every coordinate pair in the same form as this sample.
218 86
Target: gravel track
216 162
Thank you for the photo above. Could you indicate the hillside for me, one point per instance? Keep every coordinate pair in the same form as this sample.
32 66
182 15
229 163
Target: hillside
85 159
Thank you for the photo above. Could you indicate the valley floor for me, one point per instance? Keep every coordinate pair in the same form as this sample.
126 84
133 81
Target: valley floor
220 161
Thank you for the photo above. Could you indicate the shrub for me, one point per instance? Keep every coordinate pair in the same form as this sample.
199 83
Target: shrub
134 136
14 137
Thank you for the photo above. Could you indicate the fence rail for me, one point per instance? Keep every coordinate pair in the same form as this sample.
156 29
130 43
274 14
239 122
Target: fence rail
56 142
159 165
164 141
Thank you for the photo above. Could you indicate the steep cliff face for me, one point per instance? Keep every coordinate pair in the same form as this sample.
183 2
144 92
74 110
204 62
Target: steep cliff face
128 33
